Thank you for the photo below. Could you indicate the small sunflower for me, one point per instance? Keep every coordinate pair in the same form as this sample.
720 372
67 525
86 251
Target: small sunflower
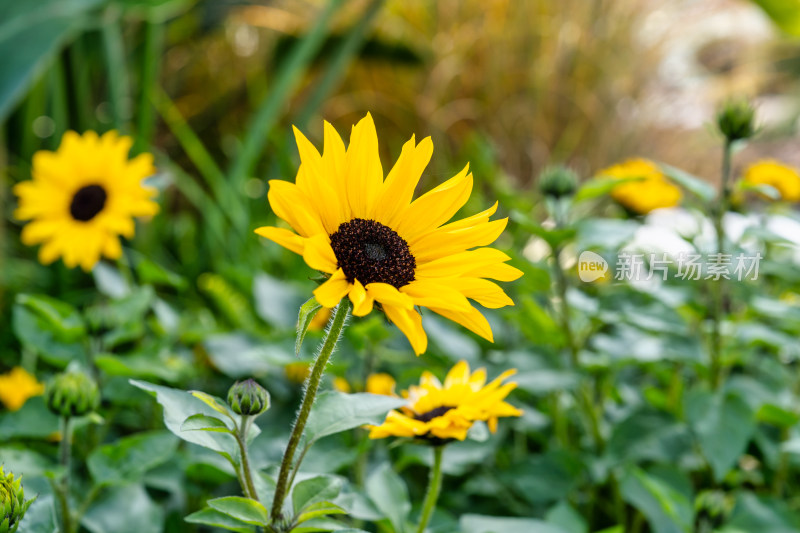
376 245
83 197
650 191
381 383
17 387
777 175
445 412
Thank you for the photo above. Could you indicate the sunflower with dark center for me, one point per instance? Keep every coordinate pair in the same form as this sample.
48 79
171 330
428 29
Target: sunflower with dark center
376 244
443 412
83 197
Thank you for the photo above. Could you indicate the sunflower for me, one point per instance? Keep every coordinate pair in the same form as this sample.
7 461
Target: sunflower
781 177
650 191
380 383
17 387
377 246
83 197
444 412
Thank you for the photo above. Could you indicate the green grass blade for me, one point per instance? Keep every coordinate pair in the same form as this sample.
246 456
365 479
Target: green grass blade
118 82
151 64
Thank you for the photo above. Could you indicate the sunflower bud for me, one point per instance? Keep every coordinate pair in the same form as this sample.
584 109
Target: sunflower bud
735 119
72 394
558 181
248 398
12 502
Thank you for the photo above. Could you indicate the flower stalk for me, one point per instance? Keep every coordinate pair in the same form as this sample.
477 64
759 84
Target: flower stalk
310 394
62 488
246 474
717 287
434 487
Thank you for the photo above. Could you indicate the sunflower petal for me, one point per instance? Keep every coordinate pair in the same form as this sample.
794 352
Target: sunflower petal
363 168
332 291
319 255
410 323
362 302
473 320
284 237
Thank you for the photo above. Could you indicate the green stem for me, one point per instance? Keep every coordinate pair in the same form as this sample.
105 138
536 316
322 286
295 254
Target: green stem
434 486
247 475
562 287
63 486
717 310
310 394
118 83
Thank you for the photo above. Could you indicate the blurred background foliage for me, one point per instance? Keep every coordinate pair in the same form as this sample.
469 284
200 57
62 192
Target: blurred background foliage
211 87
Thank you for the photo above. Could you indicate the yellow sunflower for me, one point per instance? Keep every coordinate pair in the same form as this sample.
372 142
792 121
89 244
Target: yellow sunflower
17 387
380 383
444 412
651 191
83 197
775 174
376 245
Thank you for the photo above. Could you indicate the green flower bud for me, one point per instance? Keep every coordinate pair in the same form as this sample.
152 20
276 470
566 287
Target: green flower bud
12 502
735 119
71 394
248 398
558 181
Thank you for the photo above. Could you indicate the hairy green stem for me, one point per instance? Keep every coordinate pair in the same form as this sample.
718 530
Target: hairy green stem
247 475
717 310
310 394
434 487
62 492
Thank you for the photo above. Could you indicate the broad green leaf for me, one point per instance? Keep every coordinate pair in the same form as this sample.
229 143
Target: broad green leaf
567 518
648 435
244 509
213 402
178 406
389 494
273 297
596 187
547 477
693 184
124 509
761 514
141 365
307 312
723 424
109 281
34 419
200 422
667 508
130 308
41 517
240 356
31 34
334 412
130 457
319 510
473 523
214 518
315 490
50 327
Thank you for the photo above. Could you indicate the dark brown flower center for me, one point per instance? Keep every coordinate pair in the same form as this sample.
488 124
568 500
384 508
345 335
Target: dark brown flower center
370 252
87 202
433 413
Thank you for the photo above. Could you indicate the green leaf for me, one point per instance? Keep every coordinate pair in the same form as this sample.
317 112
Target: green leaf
124 509
200 422
473 523
693 184
272 297
214 518
596 187
762 514
213 402
50 327
723 424
667 508
31 34
40 517
178 406
389 494
567 518
34 419
334 412
314 490
240 356
244 509
318 510
130 457
307 312
784 13
777 416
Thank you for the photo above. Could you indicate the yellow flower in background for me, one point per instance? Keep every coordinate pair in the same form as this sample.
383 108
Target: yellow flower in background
340 384
320 320
83 197
775 174
377 246
17 387
296 372
447 411
381 383
652 191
